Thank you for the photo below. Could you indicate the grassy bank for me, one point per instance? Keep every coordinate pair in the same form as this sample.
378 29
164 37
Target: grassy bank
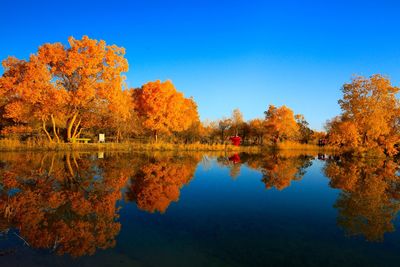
15 145
303 147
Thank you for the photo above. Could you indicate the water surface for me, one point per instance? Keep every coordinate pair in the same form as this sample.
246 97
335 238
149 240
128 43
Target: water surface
163 209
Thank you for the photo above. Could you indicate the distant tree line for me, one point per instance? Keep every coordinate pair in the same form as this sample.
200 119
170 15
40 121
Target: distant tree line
65 92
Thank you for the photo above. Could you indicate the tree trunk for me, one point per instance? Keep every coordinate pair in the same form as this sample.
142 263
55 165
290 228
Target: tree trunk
78 134
70 124
46 132
155 136
119 136
74 135
54 129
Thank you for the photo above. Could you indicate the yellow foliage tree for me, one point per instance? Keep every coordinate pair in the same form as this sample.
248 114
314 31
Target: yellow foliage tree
163 109
30 97
67 86
257 130
280 123
343 134
89 73
370 112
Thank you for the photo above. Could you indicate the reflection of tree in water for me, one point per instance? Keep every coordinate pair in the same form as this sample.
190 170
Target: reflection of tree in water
278 169
64 203
158 182
369 200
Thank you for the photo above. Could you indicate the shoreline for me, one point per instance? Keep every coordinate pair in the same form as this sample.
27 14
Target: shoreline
17 146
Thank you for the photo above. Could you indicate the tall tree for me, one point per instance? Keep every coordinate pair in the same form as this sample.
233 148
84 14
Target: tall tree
236 121
371 107
280 123
88 72
163 109
257 130
305 133
223 125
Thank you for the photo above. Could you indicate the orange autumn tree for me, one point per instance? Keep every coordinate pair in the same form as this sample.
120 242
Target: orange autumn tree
116 117
124 119
30 99
280 124
257 130
66 87
89 73
163 109
370 111
305 133
343 133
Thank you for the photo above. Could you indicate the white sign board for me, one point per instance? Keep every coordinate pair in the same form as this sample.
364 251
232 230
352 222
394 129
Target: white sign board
102 138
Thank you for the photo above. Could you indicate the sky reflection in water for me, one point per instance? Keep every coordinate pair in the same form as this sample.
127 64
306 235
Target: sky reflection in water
166 209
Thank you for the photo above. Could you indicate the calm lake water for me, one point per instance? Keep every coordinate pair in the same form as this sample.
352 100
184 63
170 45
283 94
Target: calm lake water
117 209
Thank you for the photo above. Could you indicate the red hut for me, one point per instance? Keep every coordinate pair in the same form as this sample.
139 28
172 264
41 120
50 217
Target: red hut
235 140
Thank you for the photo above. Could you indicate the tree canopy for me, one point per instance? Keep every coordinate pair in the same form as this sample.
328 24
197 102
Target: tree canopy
370 116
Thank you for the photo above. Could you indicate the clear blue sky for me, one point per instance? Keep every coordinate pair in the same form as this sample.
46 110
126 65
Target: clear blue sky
227 54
